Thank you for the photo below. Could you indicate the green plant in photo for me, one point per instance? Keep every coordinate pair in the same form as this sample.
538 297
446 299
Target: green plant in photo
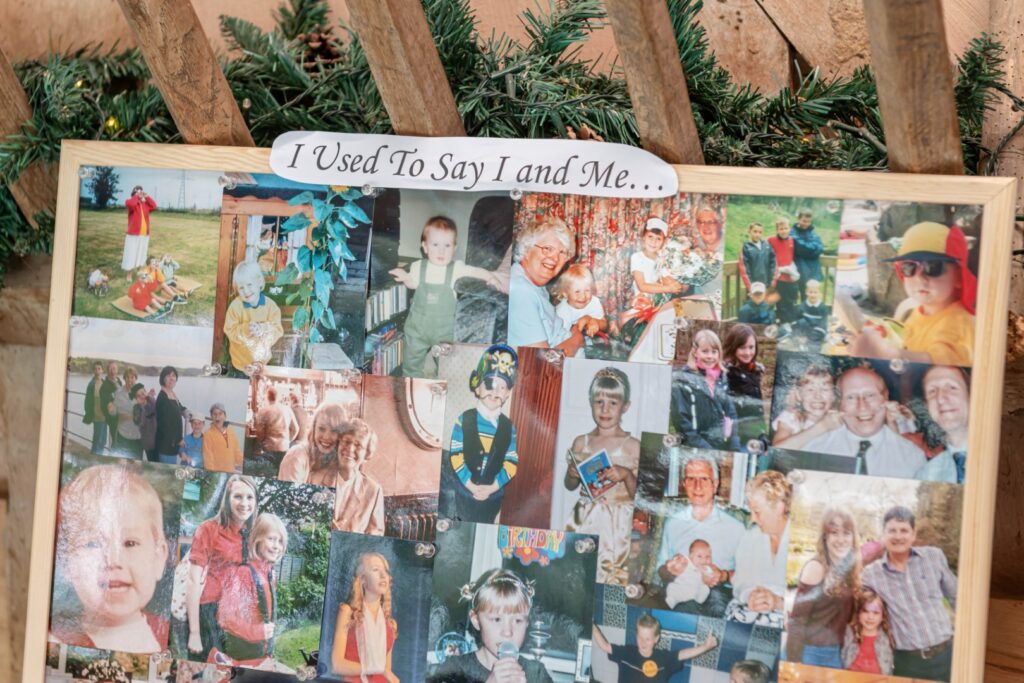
315 269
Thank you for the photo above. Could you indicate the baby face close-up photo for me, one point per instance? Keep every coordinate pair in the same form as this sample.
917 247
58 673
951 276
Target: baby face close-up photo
117 558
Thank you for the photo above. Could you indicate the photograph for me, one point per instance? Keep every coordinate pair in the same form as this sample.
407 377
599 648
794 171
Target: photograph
499 608
871 583
722 385
272 235
480 454
293 419
375 439
710 534
73 663
780 266
133 393
147 245
791 672
376 610
635 644
870 416
440 273
251 571
607 278
117 530
906 287
605 407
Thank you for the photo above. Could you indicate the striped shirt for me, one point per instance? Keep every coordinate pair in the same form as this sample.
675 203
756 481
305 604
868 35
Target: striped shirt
914 598
486 429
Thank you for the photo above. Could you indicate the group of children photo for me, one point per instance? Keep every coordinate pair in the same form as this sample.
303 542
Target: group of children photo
636 399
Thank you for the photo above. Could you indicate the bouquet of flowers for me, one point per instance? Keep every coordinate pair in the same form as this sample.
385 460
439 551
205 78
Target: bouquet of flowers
690 266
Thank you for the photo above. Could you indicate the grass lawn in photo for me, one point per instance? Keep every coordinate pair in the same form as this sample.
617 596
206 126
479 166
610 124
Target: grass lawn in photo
288 645
191 238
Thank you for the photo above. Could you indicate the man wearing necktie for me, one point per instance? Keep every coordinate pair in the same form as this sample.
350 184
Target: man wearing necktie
864 435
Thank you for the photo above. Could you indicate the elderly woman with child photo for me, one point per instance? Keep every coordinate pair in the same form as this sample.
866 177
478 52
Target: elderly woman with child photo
558 307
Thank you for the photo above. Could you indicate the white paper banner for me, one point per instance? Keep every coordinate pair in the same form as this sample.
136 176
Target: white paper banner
599 169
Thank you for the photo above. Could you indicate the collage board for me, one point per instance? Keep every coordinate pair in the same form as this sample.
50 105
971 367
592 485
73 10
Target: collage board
708 438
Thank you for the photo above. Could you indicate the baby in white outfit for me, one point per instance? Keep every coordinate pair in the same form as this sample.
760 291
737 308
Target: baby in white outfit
688 585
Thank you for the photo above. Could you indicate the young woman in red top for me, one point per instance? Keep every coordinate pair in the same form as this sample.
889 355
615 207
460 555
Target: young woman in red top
366 631
220 544
248 603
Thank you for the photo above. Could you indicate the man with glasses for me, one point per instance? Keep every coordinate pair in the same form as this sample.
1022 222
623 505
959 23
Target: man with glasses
701 518
541 252
863 433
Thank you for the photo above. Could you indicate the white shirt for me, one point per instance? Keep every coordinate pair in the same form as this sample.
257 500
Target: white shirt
756 566
648 267
941 467
687 586
889 455
570 316
436 273
134 636
721 530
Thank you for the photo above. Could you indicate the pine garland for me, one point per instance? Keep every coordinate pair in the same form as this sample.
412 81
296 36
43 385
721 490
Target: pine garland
535 88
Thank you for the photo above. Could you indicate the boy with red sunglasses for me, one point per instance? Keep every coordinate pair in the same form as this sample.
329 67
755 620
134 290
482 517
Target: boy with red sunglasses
932 264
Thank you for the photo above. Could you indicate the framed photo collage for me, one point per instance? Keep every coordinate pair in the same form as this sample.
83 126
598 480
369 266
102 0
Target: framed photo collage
735 435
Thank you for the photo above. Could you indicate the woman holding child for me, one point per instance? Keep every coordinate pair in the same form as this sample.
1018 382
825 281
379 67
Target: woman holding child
540 253
366 630
759 582
219 546
823 604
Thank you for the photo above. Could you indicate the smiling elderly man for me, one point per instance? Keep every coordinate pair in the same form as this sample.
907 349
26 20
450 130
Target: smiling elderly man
863 433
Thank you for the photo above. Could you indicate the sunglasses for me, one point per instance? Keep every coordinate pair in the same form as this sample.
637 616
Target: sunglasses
925 268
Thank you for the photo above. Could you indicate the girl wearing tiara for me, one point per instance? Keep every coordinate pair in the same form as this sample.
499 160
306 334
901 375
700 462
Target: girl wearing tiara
500 603
366 629
609 515
483 445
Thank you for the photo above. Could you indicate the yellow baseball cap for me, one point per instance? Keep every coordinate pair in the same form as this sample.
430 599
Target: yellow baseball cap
928 241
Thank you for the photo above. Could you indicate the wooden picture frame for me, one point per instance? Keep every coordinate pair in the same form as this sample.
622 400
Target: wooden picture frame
996 196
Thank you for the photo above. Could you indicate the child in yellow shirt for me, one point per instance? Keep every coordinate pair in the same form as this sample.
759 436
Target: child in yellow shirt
932 264
252 323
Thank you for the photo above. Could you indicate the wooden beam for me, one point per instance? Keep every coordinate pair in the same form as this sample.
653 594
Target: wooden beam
654 74
747 43
186 71
1007 25
830 35
35 190
915 85
406 67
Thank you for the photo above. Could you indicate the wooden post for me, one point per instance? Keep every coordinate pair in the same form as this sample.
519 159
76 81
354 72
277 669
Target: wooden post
654 74
406 67
185 69
35 190
915 85
1007 25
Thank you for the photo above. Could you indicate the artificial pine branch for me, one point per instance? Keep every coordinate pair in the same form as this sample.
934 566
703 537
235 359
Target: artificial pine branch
536 88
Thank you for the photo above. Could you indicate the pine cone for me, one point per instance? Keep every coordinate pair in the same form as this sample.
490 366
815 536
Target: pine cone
322 47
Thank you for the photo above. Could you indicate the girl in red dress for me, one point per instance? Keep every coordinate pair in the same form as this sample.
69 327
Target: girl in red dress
366 631
220 544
